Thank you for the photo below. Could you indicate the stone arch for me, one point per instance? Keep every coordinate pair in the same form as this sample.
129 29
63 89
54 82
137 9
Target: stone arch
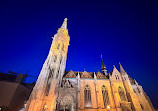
105 95
65 102
87 96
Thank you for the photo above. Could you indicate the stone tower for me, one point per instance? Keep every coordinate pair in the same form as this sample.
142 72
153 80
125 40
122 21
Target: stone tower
43 96
60 90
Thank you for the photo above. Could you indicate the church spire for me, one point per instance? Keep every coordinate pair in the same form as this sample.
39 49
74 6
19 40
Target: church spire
64 25
103 67
121 69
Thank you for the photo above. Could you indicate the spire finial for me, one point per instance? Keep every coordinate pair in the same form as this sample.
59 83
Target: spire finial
64 25
121 69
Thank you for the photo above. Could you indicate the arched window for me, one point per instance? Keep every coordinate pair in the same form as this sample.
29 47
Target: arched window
55 58
138 90
105 96
87 96
58 46
117 77
47 89
61 59
50 76
63 47
57 75
122 94
142 106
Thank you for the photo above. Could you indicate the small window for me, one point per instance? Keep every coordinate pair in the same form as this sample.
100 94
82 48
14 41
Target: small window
61 59
55 58
58 46
117 77
57 74
142 106
52 73
134 91
47 89
63 48
138 90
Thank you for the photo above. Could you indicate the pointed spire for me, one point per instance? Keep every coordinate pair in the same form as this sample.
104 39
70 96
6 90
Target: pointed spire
64 25
95 77
121 69
78 75
103 67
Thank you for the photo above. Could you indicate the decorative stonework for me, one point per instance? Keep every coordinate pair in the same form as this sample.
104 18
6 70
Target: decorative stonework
59 90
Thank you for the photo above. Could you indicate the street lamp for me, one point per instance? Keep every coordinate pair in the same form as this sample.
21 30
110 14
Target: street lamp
108 107
45 107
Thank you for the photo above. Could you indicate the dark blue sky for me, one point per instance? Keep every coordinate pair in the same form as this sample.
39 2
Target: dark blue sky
125 32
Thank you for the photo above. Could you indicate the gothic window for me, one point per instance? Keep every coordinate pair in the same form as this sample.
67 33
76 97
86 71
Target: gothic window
134 91
47 89
142 106
87 96
55 58
138 90
51 73
122 94
105 96
57 74
61 59
67 84
58 46
117 77
63 47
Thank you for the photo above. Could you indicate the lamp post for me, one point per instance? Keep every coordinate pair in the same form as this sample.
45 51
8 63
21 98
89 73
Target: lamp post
108 107
45 107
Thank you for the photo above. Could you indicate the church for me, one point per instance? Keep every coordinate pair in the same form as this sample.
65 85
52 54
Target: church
60 90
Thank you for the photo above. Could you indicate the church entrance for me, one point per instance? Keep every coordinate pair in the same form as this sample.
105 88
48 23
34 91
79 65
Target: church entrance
65 104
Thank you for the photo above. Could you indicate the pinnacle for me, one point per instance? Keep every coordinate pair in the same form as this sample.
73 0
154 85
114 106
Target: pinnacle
64 25
121 69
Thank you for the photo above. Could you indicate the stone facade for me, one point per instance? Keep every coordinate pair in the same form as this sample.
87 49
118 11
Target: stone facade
60 90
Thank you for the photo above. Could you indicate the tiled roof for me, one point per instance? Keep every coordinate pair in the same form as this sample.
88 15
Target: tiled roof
85 74
100 75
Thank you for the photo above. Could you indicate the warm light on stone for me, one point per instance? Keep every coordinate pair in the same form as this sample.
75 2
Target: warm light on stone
108 107
60 90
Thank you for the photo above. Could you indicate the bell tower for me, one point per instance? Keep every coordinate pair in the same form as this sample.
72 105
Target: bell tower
43 96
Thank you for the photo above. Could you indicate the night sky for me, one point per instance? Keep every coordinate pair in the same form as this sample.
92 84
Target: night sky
125 32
